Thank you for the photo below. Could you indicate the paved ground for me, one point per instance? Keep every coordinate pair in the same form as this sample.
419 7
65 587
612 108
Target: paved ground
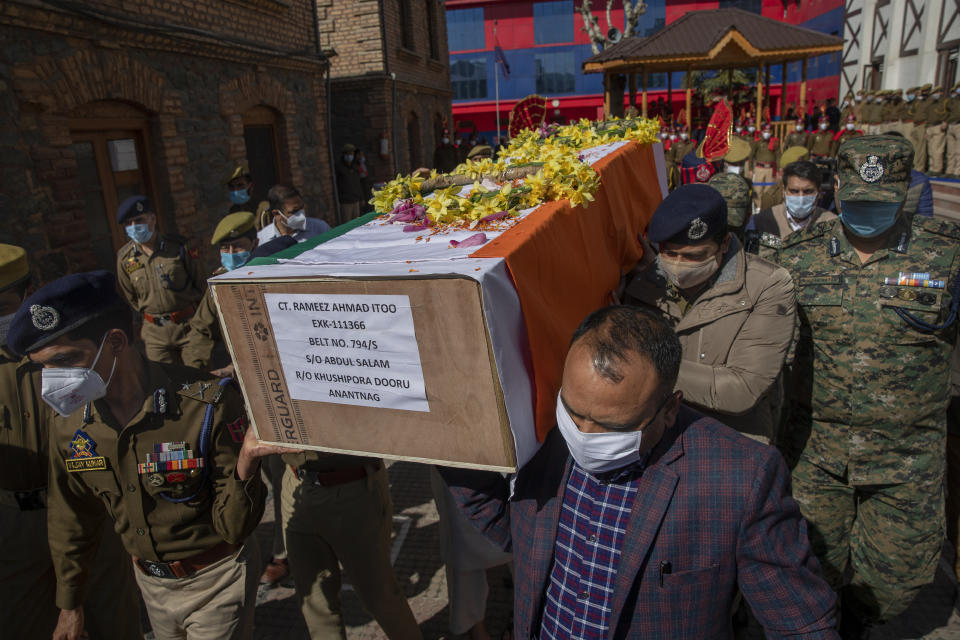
421 572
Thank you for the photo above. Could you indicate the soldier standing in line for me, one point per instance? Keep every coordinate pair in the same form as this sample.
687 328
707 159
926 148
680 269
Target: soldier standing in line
162 447
28 583
953 133
764 164
870 113
821 141
160 279
445 158
849 131
935 134
919 115
877 292
798 137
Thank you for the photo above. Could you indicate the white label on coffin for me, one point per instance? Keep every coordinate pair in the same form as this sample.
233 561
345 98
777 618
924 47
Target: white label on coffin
349 349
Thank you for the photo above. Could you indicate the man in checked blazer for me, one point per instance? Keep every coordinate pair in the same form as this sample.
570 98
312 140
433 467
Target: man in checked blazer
641 518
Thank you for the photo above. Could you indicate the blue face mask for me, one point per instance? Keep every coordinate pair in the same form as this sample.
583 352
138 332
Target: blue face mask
868 219
139 233
231 261
240 196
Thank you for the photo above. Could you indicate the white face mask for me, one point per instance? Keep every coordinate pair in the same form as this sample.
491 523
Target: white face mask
766 135
5 322
684 136
799 127
739 129
686 275
66 389
751 129
598 452
823 126
800 207
445 140
296 221
849 126
734 168
348 158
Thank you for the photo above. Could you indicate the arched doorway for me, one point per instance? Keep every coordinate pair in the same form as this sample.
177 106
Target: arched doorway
414 143
261 136
111 144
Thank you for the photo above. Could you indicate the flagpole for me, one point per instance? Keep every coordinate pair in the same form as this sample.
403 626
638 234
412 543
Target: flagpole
496 82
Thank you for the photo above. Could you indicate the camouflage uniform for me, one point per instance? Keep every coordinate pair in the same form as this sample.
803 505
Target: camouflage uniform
736 191
869 390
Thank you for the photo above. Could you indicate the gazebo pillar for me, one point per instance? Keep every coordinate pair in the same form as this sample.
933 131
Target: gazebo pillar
643 94
783 90
670 95
689 100
759 96
803 87
632 82
766 90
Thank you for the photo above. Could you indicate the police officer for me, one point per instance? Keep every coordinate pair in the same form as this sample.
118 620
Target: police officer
820 143
445 157
733 312
27 581
236 237
337 512
877 291
952 168
239 185
162 447
849 130
764 164
937 113
160 280
798 137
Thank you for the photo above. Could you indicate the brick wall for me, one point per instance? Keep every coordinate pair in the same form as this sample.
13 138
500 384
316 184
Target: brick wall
57 68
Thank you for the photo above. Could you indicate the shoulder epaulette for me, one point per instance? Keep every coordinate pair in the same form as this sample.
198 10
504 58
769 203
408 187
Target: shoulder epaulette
205 391
768 239
938 226
814 230
127 248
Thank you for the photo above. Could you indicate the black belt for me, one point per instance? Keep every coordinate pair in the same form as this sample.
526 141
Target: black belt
334 477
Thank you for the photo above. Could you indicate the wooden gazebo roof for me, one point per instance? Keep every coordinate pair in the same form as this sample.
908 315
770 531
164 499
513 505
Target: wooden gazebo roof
714 39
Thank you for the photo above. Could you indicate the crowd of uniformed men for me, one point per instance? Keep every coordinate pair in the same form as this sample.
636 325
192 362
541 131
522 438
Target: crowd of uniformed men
828 334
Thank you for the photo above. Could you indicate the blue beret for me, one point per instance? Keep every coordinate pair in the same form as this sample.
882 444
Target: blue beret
273 246
60 307
690 214
132 207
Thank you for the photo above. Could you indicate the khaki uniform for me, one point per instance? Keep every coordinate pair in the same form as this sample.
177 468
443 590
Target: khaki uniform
194 519
764 168
167 282
773 227
796 139
870 117
337 511
844 135
204 331
890 116
936 134
27 580
735 336
953 138
820 144
917 113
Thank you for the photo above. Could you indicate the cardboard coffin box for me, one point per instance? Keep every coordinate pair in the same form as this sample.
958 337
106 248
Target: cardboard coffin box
450 362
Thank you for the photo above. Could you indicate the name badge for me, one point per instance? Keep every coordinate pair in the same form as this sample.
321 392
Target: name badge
84 454
86 464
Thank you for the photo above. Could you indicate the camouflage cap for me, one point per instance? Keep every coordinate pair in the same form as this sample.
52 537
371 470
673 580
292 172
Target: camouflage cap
874 168
736 191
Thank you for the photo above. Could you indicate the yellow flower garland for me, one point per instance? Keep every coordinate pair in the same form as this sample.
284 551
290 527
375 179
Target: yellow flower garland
562 173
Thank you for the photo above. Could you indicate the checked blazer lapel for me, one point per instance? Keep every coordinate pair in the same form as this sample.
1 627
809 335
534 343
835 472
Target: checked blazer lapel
657 486
543 518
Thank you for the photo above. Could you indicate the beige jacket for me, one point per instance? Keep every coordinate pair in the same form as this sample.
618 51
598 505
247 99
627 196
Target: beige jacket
735 337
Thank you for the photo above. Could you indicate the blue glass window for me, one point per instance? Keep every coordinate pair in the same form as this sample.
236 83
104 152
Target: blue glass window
755 6
553 22
652 20
469 79
465 29
556 72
